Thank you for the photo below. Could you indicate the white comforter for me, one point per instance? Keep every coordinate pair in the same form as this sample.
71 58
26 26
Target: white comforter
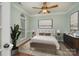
46 39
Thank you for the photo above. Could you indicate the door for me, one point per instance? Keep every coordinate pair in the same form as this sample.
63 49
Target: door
5 45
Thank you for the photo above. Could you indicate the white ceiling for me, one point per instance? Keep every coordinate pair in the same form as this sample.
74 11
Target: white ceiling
62 6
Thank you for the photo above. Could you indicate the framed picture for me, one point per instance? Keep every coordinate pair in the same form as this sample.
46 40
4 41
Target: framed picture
45 23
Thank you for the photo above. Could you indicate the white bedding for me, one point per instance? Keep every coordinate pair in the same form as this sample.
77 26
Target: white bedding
46 39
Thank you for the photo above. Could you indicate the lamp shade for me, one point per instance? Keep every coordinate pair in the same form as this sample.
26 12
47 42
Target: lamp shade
44 11
58 31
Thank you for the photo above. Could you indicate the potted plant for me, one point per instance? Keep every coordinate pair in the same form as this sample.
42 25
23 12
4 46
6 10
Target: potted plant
15 33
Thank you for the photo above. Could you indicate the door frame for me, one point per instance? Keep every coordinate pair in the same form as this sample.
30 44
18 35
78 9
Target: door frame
6 17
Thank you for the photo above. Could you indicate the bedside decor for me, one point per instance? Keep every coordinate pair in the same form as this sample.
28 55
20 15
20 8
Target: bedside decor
59 35
58 32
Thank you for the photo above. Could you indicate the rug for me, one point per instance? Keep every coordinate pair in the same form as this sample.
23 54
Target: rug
64 51
22 54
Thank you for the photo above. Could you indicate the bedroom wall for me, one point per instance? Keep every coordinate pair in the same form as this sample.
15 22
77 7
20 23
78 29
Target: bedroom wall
59 22
68 14
15 18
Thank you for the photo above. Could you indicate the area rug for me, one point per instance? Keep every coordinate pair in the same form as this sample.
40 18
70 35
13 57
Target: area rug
63 51
22 54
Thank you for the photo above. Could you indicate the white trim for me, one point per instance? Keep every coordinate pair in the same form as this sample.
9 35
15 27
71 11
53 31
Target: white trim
22 41
57 13
20 8
5 38
72 8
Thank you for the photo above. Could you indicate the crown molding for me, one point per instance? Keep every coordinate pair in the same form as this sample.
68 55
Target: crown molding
70 9
20 9
59 13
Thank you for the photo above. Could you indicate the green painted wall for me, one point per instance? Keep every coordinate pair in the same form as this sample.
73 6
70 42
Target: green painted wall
68 15
16 11
59 22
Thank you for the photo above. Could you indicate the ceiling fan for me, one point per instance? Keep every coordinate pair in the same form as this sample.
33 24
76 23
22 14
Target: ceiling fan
45 7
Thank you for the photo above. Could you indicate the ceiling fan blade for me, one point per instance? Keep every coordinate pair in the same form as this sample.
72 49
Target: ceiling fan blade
44 8
39 12
48 11
36 7
52 6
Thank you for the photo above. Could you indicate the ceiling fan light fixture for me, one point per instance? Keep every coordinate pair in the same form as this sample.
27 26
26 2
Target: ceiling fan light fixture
44 11
45 8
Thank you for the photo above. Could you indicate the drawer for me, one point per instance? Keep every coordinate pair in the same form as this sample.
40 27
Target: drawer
76 43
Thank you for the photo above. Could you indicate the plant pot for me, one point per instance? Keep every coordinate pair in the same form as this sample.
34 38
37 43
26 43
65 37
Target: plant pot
14 51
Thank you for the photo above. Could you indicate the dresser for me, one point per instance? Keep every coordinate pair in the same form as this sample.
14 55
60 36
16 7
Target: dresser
72 42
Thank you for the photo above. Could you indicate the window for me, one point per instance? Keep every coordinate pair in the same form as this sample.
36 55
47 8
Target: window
74 22
45 23
22 26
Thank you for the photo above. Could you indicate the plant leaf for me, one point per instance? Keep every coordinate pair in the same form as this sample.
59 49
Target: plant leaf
11 29
18 34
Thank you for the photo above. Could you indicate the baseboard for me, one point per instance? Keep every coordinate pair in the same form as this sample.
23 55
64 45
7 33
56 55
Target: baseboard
22 42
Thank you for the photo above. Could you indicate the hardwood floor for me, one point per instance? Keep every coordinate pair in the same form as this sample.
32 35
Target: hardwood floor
64 51
23 54
74 52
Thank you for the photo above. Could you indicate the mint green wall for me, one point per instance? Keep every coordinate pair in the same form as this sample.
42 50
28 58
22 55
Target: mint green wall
59 22
68 14
15 18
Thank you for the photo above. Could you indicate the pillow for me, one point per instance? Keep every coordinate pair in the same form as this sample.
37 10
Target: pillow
45 34
41 34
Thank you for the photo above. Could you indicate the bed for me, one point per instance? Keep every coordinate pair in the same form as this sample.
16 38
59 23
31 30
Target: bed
45 40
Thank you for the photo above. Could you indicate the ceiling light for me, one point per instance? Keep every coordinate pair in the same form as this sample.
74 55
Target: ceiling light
44 11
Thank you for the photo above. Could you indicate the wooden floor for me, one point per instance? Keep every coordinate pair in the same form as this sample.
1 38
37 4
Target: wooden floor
24 54
74 53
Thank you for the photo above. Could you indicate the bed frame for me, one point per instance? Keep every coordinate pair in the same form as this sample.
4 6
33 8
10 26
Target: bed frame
47 48
42 46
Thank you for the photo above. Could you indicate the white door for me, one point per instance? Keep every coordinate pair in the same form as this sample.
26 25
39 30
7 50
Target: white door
5 45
